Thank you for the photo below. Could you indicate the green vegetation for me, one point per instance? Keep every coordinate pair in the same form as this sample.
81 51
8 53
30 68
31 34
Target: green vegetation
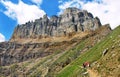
91 55
65 59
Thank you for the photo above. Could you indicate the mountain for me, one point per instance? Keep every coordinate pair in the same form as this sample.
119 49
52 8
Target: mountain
71 20
57 46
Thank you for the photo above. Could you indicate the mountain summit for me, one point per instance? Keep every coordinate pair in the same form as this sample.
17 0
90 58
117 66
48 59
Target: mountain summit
71 20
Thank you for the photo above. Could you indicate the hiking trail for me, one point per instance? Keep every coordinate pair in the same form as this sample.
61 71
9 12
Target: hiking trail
92 73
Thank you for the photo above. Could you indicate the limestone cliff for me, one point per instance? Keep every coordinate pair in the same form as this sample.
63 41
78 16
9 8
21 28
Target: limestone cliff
71 20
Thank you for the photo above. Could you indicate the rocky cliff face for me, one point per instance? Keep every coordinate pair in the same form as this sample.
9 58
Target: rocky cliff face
71 20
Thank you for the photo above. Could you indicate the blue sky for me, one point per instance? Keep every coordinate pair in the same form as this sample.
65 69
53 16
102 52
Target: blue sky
14 12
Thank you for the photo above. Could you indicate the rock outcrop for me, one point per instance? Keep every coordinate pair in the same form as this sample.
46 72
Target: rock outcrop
71 20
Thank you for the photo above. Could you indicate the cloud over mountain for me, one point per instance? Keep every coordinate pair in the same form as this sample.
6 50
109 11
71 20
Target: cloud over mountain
2 37
107 11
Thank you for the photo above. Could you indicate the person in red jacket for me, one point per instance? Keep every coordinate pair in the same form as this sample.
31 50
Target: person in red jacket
86 64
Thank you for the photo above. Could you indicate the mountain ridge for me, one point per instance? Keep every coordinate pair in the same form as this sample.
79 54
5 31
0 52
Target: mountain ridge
71 20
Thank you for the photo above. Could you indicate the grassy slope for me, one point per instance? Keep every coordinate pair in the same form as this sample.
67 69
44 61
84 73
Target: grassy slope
36 67
94 54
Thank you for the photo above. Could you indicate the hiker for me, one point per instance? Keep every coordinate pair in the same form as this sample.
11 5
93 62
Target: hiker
86 64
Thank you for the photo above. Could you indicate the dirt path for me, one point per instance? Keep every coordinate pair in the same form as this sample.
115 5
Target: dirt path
92 73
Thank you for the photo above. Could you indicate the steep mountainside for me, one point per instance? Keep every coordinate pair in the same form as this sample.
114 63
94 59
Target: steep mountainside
109 64
46 59
48 47
104 58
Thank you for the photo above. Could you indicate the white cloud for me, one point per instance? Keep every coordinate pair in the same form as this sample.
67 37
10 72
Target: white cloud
106 10
60 1
71 3
38 2
22 12
2 38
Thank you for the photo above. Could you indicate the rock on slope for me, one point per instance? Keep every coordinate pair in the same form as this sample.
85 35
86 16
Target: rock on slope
109 64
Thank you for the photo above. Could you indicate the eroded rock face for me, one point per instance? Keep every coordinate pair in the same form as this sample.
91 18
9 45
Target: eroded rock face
71 20
11 52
